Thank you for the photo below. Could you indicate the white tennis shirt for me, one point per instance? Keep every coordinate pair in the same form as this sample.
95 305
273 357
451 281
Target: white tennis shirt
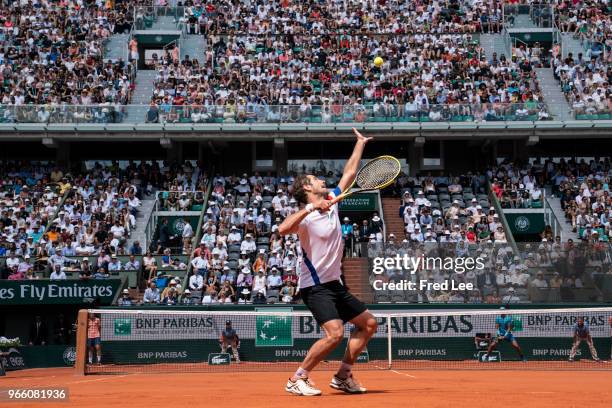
320 237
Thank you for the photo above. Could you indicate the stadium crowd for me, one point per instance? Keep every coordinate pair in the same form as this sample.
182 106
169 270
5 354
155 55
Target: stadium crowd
29 198
586 198
322 79
585 77
585 82
52 55
87 235
448 209
332 17
516 186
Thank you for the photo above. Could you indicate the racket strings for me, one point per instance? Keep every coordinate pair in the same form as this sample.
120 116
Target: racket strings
377 173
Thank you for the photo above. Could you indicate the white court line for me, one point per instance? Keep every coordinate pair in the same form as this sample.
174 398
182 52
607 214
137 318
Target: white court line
396 372
98 379
407 375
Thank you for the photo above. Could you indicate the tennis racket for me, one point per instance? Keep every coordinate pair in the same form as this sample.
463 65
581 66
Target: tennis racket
378 173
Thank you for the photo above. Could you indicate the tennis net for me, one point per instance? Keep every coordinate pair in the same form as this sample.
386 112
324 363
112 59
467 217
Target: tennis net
273 339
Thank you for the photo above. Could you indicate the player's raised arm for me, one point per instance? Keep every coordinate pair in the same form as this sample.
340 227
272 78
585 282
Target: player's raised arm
352 165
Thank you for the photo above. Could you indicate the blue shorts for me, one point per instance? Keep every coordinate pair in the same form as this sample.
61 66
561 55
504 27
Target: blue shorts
509 337
94 342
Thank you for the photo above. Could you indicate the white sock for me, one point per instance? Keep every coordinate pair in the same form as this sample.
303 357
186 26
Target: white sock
344 371
300 372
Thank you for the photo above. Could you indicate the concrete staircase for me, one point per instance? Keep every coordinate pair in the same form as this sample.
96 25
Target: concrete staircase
571 45
141 97
116 47
145 211
555 205
524 21
356 273
393 223
558 107
194 46
144 87
164 23
493 43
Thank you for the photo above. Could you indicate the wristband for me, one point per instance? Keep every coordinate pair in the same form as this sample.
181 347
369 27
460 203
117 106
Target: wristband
309 208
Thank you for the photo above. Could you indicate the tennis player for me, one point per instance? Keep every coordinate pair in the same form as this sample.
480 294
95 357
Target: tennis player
323 292
503 324
582 333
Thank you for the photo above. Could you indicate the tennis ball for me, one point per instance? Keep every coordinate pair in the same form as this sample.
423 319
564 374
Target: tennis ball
378 61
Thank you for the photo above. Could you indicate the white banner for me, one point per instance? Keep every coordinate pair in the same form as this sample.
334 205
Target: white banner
148 326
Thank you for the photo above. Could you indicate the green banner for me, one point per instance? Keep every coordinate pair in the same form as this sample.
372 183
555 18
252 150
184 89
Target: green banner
359 202
176 223
525 222
18 358
156 39
45 292
273 331
403 349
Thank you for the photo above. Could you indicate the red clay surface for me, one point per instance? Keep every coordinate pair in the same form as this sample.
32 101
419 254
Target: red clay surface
387 388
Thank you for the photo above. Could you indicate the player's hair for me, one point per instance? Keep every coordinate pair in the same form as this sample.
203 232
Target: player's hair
298 188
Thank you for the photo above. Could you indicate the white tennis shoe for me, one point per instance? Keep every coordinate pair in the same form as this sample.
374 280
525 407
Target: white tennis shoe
348 385
302 386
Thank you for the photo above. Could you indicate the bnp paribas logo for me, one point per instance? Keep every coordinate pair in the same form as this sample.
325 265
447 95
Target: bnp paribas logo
517 323
123 327
273 331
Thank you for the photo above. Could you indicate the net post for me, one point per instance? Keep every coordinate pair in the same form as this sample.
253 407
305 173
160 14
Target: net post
81 342
389 349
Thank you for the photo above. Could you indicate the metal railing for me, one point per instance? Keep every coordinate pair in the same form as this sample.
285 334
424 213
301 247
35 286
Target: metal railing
150 227
507 42
145 17
542 15
249 114
499 210
551 219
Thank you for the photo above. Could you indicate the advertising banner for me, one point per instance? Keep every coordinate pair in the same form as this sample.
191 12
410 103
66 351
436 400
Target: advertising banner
45 292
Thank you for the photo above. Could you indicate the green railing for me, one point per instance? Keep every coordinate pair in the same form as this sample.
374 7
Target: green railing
498 210
369 112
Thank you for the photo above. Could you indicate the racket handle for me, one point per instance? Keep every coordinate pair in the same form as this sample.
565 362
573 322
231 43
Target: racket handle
337 199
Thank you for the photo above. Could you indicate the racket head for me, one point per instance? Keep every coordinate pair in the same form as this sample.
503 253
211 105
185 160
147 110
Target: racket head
378 173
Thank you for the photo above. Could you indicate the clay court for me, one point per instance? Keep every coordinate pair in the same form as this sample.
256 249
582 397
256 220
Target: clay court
387 388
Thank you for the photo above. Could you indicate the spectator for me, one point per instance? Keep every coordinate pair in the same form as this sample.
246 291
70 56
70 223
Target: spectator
511 297
57 274
125 299
151 294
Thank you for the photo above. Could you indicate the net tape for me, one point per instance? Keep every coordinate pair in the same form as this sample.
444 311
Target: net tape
377 313
162 340
377 172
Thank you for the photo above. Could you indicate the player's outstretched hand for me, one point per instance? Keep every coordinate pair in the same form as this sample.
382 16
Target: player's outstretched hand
360 137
